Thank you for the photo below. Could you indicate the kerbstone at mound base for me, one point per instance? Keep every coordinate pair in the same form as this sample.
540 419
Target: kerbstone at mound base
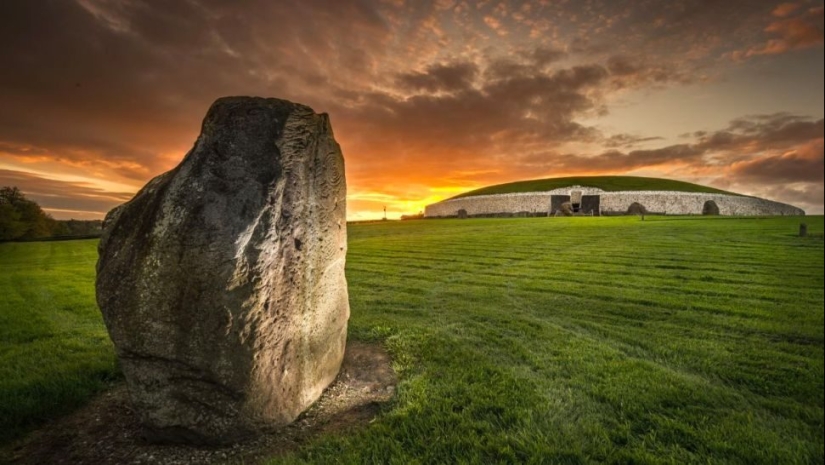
222 282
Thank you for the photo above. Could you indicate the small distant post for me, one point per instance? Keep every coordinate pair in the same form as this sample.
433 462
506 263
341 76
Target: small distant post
803 230
385 213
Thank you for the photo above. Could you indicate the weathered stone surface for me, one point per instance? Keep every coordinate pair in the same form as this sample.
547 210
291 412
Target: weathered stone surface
222 282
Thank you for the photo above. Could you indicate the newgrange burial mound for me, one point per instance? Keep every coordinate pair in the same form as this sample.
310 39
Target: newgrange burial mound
604 195
222 281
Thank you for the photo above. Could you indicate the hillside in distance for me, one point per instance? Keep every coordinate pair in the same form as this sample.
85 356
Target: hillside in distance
606 183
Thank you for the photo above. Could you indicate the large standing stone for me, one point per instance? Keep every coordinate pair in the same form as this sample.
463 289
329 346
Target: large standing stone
222 282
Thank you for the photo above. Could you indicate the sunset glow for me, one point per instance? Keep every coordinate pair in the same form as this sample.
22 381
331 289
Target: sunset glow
428 99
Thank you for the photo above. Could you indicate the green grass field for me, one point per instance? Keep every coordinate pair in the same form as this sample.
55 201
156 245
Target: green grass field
606 183
542 340
54 349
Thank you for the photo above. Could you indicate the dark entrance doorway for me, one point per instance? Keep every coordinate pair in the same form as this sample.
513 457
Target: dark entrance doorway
710 208
590 204
556 201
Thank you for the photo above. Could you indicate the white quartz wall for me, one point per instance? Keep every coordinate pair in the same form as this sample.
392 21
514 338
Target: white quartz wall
691 203
487 204
671 203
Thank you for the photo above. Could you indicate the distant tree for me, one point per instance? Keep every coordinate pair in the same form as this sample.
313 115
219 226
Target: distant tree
82 227
10 225
21 218
11 195
61 229
636 208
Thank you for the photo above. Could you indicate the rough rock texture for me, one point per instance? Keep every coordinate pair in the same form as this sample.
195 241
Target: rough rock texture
222 282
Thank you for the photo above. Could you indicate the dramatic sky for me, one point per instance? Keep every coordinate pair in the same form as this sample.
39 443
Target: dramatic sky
427 98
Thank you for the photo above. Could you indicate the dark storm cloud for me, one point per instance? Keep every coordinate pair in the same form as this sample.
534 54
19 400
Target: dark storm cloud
808 195
689 30
448 78
791 32
634 72
543 56
804 164
777 131
125 80
526 107
627 140
797 139
615 160
76 145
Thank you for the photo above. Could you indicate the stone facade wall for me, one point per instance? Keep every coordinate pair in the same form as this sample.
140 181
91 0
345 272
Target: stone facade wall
667 202
691 203
489 204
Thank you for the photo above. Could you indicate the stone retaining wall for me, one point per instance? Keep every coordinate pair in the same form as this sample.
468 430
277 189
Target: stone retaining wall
667 202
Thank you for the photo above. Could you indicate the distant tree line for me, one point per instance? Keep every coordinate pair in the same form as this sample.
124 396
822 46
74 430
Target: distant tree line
23 219
82 227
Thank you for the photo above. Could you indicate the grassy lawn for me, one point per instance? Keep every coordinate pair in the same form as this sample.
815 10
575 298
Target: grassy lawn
606 183
544 340
54 350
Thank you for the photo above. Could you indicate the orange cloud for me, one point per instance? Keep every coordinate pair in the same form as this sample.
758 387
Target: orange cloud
797 33
74 197
425 100
785 9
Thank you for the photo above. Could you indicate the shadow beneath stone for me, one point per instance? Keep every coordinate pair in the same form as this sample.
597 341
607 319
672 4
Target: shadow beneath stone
106 430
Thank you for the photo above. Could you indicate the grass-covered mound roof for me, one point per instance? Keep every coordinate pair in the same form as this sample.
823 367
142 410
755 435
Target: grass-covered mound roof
606 183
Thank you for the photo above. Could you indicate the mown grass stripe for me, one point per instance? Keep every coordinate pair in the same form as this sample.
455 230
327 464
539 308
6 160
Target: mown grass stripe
523 340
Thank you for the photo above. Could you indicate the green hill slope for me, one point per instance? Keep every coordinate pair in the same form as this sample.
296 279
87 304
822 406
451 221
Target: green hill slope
607 183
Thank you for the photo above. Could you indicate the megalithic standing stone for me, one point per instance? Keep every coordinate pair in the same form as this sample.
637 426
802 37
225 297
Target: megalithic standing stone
222 281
